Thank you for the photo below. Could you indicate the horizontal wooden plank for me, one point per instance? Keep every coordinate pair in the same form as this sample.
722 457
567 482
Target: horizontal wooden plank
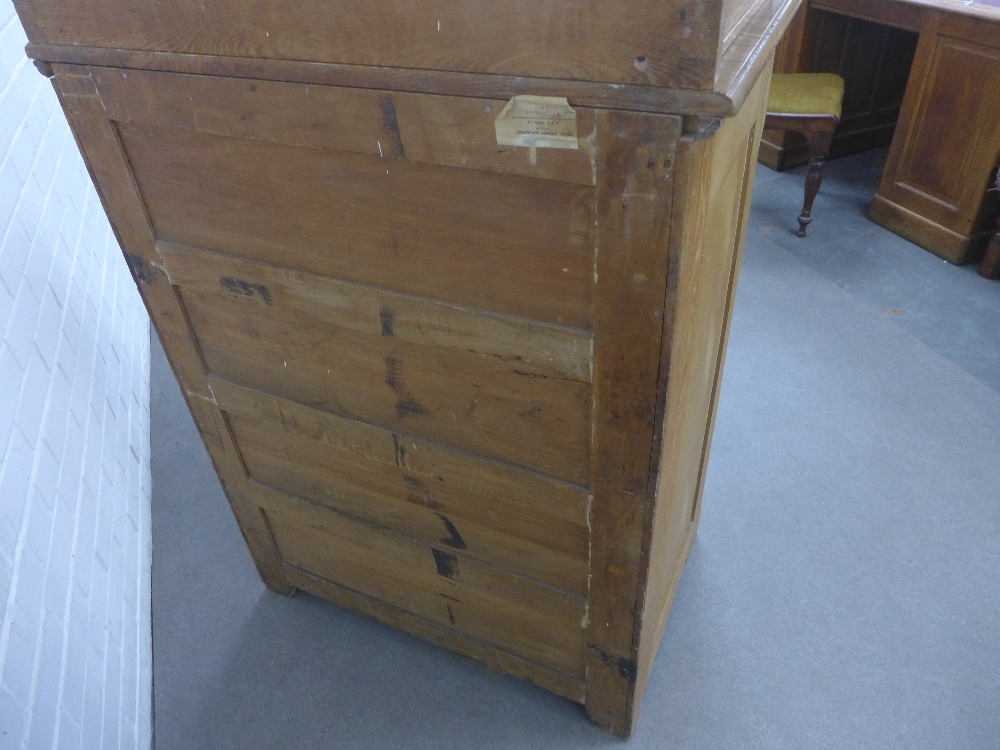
373 494
481 509
507 410
534 621
638 98
499 242
493 483
447 637
380 313
449 131
650 42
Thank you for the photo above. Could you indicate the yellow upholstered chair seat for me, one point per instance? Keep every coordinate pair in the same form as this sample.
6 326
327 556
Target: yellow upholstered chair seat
809 104
806 94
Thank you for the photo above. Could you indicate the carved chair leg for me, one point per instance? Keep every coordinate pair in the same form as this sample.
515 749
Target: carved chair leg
819 147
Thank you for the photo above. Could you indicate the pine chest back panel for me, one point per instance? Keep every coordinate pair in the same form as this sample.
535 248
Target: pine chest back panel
401 349
429 372
458 387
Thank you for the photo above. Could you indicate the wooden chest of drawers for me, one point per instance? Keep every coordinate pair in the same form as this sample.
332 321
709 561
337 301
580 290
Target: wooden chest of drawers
462 386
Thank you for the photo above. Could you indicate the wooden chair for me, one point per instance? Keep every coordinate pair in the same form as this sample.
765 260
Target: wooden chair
807 103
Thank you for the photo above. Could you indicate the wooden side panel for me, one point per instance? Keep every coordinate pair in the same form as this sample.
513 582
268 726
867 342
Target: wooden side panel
499 242
522 522
102 151
656 42
936 176
952 103
525 618
636 157
714 182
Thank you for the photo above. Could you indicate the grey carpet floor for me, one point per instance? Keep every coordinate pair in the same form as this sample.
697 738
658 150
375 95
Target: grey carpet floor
843 590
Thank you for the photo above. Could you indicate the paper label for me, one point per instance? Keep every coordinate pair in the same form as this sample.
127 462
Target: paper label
537 122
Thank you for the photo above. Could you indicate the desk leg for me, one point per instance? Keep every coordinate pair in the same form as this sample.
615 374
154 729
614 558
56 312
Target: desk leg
989 267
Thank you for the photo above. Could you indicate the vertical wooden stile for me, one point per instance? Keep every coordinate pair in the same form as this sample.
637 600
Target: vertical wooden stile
99 144
635 168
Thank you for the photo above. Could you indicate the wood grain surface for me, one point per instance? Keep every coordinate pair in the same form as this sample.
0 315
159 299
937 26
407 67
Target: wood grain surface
933 189
510 411
537 622
638 97
449 131
102 152
713 185
650 42
523 522
443 635
459 388
636 162
364 309
500 242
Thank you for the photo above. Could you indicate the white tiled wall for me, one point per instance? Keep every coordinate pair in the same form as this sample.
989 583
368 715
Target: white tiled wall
75 641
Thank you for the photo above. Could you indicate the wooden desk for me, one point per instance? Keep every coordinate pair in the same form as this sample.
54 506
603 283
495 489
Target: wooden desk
946 146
